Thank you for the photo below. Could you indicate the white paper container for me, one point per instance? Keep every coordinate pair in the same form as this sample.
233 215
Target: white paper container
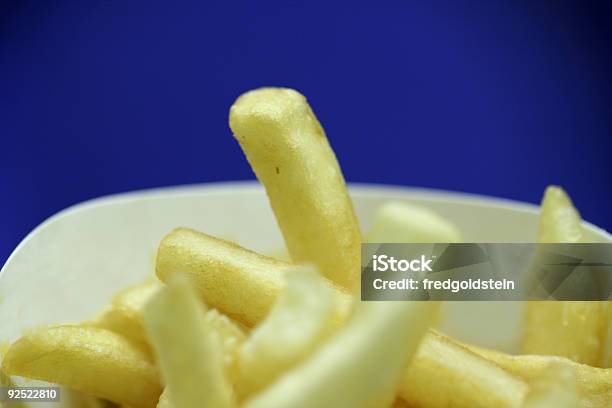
69 266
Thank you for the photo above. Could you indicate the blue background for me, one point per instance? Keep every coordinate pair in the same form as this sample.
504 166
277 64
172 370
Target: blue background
499 98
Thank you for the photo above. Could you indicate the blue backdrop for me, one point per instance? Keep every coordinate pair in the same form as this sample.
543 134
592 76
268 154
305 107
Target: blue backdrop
498 98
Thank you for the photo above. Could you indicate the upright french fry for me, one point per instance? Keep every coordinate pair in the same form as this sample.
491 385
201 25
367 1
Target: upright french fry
289 152
188 351
95 361
301 319
555 388
230 336
240 283
401 222
594 384
575 330
445 374
559 219
361 366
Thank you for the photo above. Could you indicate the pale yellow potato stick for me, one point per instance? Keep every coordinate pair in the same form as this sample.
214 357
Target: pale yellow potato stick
164 400
187 350
301 319
125 316
397 221
401 222
361 366
608 346
230 336
399 403
559 219
289 152
575 330
594 384
240 283
445 374
555 388
95 361
5 379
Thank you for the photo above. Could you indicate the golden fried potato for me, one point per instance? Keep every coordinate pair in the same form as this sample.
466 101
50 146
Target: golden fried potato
361 366
559 220
124 315
230 336
164 400
575 330
95 361
555 388
187 349
608 345
301 319
594 384
289 152
240 283
399 403
401 222
445 374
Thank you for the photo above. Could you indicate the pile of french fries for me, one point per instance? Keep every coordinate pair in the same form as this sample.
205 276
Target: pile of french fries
221 326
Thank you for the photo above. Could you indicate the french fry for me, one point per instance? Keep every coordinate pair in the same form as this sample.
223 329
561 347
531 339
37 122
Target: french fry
188 351
230 336
95 361
399 403
575 330
289 152
445 374
608 346
240 283
5 379
164 400
401 222
301 319
125 316
361 366
555 388
594 384
559 219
